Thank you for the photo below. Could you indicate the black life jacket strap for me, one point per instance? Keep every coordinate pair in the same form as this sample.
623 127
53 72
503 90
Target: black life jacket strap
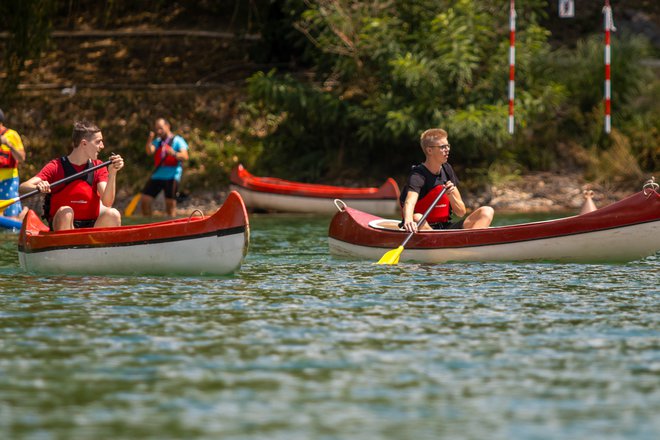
69 170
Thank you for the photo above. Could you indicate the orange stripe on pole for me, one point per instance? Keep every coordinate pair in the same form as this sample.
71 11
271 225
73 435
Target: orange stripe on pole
608 26
512 62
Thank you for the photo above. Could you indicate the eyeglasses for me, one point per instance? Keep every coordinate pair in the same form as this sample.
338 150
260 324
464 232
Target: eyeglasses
442 147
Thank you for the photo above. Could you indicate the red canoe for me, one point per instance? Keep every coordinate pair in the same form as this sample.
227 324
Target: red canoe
624 231
273 194
212 245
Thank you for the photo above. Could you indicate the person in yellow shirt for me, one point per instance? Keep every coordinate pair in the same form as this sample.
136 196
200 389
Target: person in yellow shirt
12 153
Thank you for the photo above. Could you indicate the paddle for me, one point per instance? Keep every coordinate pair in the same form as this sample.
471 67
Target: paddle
5 203
392 257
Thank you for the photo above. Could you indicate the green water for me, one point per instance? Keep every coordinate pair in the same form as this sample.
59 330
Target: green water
299 345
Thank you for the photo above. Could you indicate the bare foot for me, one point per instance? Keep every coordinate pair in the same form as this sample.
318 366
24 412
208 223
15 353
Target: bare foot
588 205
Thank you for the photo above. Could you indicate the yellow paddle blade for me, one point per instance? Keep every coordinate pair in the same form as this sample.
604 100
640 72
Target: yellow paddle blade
391 257
132 205
5 203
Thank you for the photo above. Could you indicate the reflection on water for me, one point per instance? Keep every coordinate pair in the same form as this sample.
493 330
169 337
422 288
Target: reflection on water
299 345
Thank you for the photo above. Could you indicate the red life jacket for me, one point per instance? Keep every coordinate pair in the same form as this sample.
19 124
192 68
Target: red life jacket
441 212
7 160
81 195
161 157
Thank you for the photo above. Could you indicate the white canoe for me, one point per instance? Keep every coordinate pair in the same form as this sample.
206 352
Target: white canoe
273 194
213 245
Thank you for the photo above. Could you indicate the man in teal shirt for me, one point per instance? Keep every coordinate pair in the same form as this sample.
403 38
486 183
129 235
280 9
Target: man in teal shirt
170 151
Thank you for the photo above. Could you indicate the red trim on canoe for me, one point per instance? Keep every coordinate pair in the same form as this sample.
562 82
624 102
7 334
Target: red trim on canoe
35 236
352 226
241 177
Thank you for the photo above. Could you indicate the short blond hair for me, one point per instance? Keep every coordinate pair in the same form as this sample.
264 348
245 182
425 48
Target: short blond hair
430 135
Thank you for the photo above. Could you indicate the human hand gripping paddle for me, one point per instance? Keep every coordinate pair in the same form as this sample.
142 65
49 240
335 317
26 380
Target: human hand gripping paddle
5 203
392 257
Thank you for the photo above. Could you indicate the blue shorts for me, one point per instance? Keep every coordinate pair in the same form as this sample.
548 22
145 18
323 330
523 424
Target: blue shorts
9 190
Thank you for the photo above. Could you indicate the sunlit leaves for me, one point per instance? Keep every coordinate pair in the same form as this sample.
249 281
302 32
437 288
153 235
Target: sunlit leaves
414 72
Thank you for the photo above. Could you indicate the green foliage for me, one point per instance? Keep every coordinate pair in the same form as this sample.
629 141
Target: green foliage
297 107
385 71
578 116
617 164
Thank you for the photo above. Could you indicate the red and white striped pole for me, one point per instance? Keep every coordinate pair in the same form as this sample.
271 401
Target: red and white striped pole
512 61
609 26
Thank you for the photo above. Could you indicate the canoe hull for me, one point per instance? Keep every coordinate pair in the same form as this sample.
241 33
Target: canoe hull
204 256
274 194
621 245
311 205
214 245
626 231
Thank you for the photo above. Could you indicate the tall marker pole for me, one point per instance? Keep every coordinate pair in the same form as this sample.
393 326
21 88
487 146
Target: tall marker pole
512 61
609 26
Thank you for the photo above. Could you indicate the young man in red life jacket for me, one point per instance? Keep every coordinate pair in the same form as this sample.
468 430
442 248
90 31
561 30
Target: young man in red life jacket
427 180
85 202
169 151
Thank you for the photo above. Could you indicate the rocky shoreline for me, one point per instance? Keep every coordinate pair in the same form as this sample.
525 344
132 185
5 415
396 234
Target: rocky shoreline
549 192
542 192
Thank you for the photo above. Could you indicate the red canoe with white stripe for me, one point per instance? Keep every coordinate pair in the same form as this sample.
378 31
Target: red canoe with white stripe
210 245
624 231
273 194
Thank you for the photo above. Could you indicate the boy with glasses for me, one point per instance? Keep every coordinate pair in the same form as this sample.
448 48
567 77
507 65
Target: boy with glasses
425 183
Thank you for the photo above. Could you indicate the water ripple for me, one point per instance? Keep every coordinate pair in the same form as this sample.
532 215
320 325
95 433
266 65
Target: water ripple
299 345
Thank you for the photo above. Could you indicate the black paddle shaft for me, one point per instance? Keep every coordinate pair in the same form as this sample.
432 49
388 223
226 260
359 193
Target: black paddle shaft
426 214
68 179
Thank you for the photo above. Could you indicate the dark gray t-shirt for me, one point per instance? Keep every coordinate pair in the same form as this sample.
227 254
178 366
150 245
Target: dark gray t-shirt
422 181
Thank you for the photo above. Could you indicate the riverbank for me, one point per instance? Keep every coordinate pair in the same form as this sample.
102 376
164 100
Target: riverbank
548 192
531 193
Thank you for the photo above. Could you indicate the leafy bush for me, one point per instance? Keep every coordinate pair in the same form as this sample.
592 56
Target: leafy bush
385 71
